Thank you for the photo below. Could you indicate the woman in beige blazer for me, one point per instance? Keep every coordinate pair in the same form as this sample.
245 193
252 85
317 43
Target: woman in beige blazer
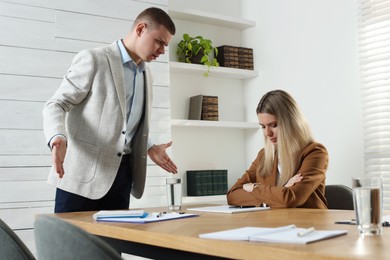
99 148
290 170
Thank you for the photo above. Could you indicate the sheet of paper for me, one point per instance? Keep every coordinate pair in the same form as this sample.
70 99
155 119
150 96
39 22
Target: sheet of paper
151 217
119 214
243 233
291 236
284 234
227 209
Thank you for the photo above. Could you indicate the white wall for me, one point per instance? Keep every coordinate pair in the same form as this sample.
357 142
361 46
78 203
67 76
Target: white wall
309 48
38 39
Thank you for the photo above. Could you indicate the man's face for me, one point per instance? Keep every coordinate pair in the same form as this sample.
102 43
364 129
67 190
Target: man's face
152 42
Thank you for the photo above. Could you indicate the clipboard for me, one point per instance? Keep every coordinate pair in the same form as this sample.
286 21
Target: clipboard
148 218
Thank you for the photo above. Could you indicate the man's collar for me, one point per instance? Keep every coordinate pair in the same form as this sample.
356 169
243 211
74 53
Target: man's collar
126 57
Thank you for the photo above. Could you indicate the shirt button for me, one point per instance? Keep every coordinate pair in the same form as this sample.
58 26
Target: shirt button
119 154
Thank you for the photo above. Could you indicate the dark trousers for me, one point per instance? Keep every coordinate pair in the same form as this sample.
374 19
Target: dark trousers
118 197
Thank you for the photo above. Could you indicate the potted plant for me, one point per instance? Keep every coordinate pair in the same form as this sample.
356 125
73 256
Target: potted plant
197 50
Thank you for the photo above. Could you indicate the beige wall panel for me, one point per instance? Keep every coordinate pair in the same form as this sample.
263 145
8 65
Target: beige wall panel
22 218
160 72
29 160
27 88
119 9
161 114
161 97
156 171
21 115
24 174
160 126
26 33
23 204
26 12
36 3
74 46
30 62
18 142
148 201
25 191
89 28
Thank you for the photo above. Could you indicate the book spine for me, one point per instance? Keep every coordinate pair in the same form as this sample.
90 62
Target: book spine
210 108
195 110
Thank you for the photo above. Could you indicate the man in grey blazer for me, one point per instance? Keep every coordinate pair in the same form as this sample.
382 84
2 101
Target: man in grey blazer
97 122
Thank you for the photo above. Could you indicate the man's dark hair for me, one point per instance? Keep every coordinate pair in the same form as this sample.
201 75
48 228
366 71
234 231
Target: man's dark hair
156 17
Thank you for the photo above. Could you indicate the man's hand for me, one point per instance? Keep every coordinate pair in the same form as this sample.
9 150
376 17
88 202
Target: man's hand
58 153
160 157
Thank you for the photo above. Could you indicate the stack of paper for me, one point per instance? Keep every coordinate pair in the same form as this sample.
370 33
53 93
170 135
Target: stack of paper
285 234
138 216
109 214
228 209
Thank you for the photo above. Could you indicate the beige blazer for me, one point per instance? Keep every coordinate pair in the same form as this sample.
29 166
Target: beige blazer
89 109
308 193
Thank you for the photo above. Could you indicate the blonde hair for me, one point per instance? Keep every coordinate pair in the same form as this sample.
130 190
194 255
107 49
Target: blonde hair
293 134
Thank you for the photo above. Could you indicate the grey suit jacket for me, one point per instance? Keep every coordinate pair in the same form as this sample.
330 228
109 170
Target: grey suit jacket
89 109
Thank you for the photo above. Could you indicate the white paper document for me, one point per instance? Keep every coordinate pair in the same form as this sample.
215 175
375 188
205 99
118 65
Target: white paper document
144 218
286 234
119 214
228 209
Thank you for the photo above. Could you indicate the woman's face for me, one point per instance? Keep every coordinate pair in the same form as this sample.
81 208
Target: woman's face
269 125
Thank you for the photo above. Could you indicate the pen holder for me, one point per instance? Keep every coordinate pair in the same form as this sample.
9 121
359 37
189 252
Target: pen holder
174 193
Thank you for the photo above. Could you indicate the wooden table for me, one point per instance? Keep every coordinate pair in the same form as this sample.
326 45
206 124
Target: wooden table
179 238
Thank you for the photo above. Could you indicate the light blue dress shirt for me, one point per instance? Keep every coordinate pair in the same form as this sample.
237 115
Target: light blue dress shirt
134 90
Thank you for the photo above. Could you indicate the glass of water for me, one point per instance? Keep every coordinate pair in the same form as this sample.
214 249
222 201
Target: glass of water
174 193
368 203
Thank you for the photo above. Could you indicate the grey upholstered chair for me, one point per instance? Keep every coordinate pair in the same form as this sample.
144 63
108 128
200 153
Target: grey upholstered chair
57 239
339 197
11 246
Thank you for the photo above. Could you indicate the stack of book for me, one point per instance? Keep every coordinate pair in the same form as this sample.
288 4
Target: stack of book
203 108
246 58
228 56
235 57
206 182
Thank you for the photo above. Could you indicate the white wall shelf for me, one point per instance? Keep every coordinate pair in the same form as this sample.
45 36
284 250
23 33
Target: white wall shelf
216 124
227 83
212 19
221 72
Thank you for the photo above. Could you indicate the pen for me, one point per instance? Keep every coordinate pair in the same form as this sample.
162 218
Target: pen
306 232
241 207
348 222
159 214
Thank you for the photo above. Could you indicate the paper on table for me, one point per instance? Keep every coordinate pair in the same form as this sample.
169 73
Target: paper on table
151 217
243 233
285 234
227 209
119 214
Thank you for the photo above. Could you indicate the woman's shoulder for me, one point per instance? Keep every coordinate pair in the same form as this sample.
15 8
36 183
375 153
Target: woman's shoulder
315 146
